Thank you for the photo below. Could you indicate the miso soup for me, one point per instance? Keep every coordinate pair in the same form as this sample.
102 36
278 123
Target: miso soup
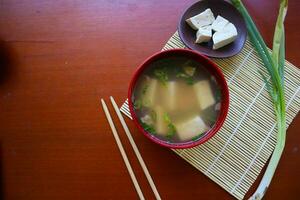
176 99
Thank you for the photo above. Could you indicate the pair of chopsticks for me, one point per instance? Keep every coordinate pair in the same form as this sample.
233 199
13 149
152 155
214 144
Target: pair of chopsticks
135 148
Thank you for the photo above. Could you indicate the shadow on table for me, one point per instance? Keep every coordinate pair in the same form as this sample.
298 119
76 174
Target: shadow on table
7 62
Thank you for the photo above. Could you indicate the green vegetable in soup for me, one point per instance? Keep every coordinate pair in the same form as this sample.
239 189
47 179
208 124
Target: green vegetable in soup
188 77
149 128
218 94
190 81
145 88
171 127
197 136
182 75
189 70
161 75
167 118
171 131
146 103
137 104
153 115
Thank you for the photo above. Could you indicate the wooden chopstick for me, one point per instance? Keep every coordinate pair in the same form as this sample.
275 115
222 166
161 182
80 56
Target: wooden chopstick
122 151
135 148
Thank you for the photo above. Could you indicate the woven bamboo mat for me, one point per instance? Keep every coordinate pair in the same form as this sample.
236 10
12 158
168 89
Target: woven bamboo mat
234 157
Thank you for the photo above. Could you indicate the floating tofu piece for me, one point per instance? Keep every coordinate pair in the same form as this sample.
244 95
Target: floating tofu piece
168 95
203 34
186 98
204 94
203 19
190 128
224 37
161 126
147 119
176 95
219 23
148 98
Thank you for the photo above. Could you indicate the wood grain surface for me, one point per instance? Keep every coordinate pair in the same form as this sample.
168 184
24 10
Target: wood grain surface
58 58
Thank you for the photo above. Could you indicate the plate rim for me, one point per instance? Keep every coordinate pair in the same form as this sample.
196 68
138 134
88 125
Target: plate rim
181 35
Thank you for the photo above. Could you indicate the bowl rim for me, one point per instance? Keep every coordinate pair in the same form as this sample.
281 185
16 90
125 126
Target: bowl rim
221 81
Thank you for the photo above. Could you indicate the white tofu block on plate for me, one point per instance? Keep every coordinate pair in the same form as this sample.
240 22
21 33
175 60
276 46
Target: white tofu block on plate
204 94
161 126
203 19
227 35
219 23
148 98
190 128
203 34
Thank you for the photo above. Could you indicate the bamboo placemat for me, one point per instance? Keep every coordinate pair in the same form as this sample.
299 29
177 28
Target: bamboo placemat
234 157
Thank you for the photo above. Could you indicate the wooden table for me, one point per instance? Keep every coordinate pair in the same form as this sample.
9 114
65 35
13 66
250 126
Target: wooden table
58 58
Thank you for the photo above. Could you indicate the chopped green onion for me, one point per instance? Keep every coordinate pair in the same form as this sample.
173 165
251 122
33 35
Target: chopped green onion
153 115
161 75
149 128
171 131
145 88
195 138
190 81
137 104
182 75
167 118
171 127
218 94
187 78
146 102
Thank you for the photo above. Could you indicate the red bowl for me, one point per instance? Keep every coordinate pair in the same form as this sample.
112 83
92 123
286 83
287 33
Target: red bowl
211 67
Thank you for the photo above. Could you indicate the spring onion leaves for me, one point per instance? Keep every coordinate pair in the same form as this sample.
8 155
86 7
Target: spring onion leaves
145 88
137 104
188 78
274 63
161 75
149 128
171 127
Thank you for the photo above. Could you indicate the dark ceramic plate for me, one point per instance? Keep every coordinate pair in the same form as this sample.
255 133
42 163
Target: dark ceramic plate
218 7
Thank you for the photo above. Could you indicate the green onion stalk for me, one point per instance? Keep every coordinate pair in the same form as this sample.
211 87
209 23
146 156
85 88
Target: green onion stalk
274 63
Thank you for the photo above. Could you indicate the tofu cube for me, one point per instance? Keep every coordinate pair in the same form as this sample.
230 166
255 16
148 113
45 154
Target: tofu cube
227 35
148 98
168 95
171 98
203 19
190 128
161 126
219 23
204 94
203 34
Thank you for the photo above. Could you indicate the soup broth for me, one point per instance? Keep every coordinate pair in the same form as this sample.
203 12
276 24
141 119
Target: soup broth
177 100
